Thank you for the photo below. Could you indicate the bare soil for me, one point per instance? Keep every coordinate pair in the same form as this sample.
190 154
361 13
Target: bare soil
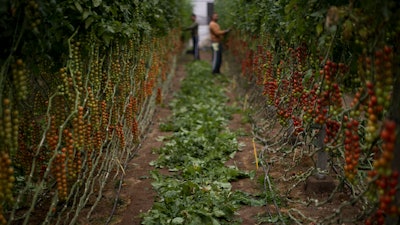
137 195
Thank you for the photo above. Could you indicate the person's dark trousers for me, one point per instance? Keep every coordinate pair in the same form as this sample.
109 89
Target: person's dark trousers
216 58
196 47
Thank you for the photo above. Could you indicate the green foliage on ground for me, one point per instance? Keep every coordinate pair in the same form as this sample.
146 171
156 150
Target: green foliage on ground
198 191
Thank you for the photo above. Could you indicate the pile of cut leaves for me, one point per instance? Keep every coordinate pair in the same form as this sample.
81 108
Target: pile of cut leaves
198 189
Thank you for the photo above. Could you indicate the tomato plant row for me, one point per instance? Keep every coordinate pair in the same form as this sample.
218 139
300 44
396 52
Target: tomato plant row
310 58
79 81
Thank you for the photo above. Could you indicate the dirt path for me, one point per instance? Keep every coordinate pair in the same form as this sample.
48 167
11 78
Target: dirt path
137 195
244 159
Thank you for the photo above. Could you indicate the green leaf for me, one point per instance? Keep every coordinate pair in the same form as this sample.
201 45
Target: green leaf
89 22
153 163
78 6
86 14
96 3
274 219
319 29
224 185
178 220
319 13
218 213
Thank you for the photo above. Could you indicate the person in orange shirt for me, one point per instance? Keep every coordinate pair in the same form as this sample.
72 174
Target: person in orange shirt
216 35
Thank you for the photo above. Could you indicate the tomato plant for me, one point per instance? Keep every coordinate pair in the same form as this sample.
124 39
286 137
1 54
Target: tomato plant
311 57
78 80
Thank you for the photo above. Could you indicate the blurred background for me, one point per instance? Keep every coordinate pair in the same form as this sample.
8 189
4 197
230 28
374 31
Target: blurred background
203 10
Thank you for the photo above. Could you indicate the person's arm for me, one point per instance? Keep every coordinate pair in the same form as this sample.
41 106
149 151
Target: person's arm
191 27
194 25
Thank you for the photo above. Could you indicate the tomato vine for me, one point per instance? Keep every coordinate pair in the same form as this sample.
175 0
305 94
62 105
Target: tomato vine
311 57
79 81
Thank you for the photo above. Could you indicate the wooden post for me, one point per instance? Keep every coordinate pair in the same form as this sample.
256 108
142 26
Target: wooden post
320 182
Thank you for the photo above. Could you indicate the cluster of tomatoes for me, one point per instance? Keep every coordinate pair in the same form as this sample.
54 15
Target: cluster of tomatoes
60 170
154 72
20 79
130 112
386 178
120 134
379 89
159 96
135 130
116 70
93 106
69 86
71 162
148 87
270 83
135 106
300 56
308 99
164 70
9 125
52 134
64 87
330 98
332 130
270 88
383 159
140 76
352 148
95 69
269 68
80 138
32 13
58 167
291 92
78 82
297 84
384 75
373 113
297 123
75 56
386 185
6 181
93 128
